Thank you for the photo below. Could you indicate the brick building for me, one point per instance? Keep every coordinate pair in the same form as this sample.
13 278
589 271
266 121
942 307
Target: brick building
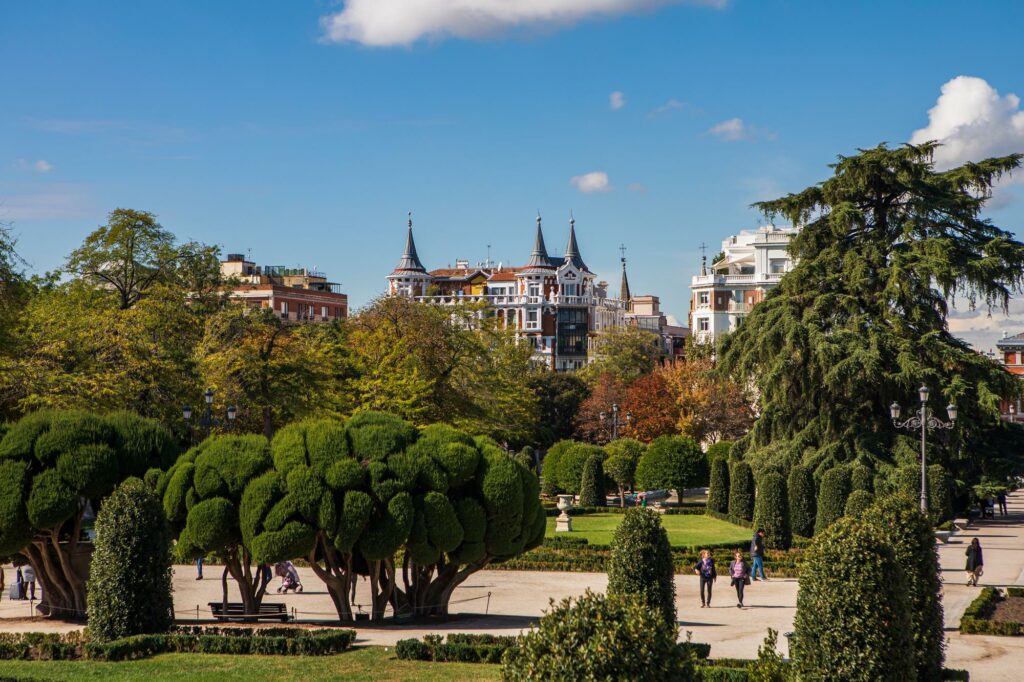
296 294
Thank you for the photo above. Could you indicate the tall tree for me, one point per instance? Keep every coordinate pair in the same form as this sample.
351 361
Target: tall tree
559 396
709 407
608 390
650 404
861 320
627 353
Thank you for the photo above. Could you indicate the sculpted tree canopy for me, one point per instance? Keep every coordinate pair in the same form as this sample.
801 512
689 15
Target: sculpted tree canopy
861 320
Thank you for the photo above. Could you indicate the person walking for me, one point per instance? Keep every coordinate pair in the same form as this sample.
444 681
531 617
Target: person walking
199 568
1002 504
975 563
757 553
739 571
29 575
705 568
19 585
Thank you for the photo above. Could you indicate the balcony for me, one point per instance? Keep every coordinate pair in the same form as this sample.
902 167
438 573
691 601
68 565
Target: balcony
740 307
728 280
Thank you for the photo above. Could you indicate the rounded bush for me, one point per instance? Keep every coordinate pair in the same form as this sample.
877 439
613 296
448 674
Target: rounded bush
802 503
835 488
857 503
345 474
15 531
91 469
212 525
129 588
718 490
592 486
741 491
375 435
862 478
600 638
641 562
672 463
771 510
572 463
719 450
623 457
550 464
51 501
853 613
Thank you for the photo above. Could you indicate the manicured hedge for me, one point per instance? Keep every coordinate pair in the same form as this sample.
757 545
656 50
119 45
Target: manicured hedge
835 488
641 562
862 478
771 511
686 509
592 484
460 648
975 620
857 503
802 501
741 491
718 490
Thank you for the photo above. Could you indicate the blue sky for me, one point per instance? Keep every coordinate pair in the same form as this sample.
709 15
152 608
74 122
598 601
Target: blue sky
275 128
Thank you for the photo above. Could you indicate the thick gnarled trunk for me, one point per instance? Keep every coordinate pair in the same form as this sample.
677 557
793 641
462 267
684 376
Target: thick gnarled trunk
60 569
336 573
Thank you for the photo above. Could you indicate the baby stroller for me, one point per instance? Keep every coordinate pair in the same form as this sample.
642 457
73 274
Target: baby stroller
289 577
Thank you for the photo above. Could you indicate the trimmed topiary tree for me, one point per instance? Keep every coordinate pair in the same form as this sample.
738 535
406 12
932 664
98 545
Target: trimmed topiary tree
719 450
53 467
835 488
623 456
598 637
853 613
641 561
802 503
940 494
718 491
771 510
592 486
549 466
672 463
129 589
862 478
572 463
857 503
909 533
741 491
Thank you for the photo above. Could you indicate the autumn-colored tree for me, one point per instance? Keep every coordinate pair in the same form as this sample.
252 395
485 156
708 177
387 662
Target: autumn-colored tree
608 390
651 404
709 407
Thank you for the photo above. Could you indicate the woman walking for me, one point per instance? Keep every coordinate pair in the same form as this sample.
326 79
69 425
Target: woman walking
739 571
975 562
705 568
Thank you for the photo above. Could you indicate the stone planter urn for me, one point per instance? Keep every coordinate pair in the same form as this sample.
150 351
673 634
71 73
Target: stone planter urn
563 524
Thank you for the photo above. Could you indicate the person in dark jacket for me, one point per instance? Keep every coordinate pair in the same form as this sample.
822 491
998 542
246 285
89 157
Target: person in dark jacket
975 562
757 553
705 568
739 572
1001 499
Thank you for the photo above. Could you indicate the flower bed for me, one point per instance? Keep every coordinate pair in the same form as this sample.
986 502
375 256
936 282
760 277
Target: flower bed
980 617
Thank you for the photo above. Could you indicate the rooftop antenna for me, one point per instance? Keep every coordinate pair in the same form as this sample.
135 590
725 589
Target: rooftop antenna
703 258
488 256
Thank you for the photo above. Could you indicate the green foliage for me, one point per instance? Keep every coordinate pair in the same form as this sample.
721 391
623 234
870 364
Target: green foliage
623 456
600 638
718 491
375 435
741 491
571 464
527 457
559 395
129 589
857 503
835 488
940 494
853 618
641 562
720 450
550 466
771 510
802 501
672 462
592 485
910 536
769 666
862 478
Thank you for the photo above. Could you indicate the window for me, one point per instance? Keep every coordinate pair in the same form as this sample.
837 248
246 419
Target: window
323 311
703 297
284 308
534 290
569 289
702 324
531 316
777 266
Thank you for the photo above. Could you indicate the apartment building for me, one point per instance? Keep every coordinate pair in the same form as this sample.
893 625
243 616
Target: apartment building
295 294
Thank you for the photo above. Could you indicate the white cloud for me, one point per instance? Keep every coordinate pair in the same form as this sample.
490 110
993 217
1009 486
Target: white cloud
616 100
596 181
383 23
980 328
43 166
972 121
731 130
668 106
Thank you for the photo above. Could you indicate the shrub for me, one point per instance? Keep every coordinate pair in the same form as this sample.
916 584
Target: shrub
857 503
641 561
572 463
623 456
718 493
835 488
940 494
861 478
527 457
592 484
672 463
129 590
741 491
771 511
600 638
550 464
909 534
853 613
719 450
802 507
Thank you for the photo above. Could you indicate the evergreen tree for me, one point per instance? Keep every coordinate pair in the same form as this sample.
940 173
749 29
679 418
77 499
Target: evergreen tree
802 503
641 562
771 510
741 491
592 483
718 491
835 488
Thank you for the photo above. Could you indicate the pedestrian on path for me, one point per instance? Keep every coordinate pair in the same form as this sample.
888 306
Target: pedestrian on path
1002 504
29 575
757 553
975 563
739 571
199 568
705 568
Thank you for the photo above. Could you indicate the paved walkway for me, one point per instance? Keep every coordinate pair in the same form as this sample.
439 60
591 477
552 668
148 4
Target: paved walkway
506 602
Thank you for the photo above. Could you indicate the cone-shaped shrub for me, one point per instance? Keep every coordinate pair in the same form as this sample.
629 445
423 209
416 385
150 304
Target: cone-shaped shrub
718 492
641 562
862 478
802 507
852 610
909 534
741 491
857 503
129 589
835 488
771 511
592 485
572 463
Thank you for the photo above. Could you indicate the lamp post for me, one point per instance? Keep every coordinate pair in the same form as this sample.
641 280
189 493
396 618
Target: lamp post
926 422
208 421
615 419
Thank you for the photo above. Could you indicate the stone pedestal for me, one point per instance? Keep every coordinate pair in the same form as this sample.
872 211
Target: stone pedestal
563 524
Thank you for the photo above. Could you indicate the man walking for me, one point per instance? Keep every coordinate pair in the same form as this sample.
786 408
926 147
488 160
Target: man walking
29 575
757 553
1002 503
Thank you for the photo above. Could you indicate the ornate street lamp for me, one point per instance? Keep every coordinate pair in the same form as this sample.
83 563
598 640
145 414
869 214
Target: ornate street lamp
926 422
208 421
615 419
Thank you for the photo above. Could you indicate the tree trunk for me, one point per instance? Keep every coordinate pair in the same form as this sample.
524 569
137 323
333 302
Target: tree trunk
336 574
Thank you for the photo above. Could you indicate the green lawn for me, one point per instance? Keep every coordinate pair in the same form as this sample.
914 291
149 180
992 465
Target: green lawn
684 530
375 664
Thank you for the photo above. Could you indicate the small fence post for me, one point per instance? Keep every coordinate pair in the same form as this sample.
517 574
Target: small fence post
487 610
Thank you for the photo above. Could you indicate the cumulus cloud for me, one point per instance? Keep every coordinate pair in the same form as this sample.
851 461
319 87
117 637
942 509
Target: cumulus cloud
383 23
595 181
616 100
43 166
731 130
668 106
972 121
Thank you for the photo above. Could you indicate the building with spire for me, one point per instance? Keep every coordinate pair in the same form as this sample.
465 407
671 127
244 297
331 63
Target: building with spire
554 303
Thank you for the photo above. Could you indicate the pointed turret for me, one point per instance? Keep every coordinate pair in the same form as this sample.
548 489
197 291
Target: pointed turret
410 260
572 251
539 255
624 294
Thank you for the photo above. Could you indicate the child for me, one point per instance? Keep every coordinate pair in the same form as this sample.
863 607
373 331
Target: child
705 568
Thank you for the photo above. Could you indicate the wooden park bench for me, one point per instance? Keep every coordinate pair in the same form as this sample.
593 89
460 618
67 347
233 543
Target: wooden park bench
236 611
